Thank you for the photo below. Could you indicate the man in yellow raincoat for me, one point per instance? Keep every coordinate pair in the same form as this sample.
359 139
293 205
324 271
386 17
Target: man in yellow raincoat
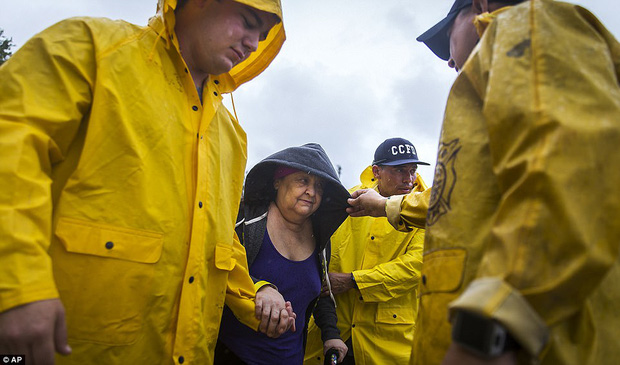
522 236
121 176
374 270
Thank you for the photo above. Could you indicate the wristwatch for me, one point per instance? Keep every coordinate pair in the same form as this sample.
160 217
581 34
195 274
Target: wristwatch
483 336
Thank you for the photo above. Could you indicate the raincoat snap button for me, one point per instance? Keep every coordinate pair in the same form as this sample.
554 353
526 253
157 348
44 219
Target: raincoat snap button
217 82
372 237
424 279
199 204
191 279
181 359
109 245
394 316
215 93
353 326
195 108
186 70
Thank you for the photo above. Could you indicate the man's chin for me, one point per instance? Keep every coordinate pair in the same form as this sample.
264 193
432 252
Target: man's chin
223 67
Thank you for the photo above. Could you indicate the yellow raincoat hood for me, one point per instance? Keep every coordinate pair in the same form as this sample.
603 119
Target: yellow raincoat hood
164 23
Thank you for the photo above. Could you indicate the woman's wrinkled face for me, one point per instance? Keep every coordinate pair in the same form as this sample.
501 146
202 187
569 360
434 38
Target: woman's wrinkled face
299 194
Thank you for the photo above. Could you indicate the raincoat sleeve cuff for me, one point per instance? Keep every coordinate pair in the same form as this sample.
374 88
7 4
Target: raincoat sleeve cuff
392 212
261 283
23 297
406 212
494 298
366 289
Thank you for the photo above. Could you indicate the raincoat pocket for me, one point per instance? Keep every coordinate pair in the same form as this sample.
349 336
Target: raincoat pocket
224 257
105 277
443 271
395 313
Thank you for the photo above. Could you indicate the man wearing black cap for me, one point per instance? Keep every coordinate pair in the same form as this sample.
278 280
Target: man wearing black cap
521 249
456 49
375 269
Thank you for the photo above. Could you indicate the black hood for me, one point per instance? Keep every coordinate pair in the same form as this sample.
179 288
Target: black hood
310 158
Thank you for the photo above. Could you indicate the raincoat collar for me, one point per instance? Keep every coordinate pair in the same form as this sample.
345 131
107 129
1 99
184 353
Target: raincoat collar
367 178
164 21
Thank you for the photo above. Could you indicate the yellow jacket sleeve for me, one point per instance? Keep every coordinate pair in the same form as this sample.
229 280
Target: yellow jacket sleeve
394 278
406 212
46 90
550 97
241 290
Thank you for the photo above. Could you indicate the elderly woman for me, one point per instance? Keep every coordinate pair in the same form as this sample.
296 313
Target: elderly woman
293 203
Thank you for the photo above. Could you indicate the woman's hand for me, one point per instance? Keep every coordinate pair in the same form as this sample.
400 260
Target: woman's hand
276 316
338 344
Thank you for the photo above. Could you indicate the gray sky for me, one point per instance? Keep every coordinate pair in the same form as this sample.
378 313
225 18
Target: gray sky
349 76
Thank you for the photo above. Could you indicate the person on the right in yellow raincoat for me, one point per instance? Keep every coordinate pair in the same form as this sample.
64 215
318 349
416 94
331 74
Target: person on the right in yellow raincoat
522 233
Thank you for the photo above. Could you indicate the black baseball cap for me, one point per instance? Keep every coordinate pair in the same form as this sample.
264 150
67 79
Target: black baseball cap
396 151
436 38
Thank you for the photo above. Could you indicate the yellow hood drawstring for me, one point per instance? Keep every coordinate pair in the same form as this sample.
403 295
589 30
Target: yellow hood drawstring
233 105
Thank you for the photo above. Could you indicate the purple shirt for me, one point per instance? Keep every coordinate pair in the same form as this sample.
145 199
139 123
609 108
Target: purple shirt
298 282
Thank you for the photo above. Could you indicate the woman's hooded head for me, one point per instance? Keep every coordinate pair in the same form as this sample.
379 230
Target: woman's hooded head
309 158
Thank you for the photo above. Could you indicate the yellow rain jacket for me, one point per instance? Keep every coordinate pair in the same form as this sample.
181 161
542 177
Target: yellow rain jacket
523 224
120 189
386 264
